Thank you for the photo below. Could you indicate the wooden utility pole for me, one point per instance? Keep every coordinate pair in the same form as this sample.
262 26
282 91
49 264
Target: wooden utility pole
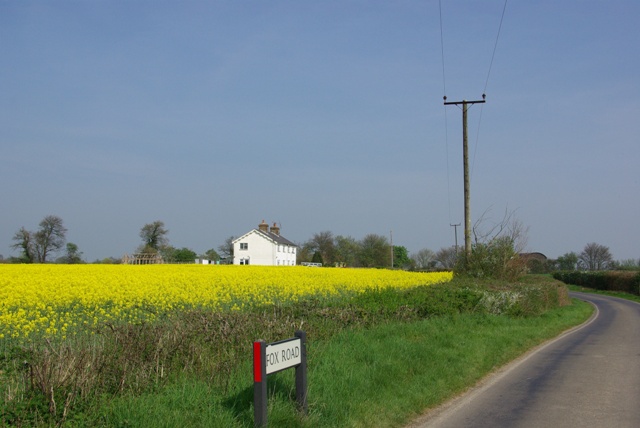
391 237
465 161
455 228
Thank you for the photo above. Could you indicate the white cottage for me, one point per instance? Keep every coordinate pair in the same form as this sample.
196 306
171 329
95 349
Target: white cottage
264 246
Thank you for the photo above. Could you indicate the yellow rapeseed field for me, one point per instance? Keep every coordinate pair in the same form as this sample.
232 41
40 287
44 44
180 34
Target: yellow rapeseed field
57 300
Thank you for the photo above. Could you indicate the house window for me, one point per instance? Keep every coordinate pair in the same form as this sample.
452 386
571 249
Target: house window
244 261
244 246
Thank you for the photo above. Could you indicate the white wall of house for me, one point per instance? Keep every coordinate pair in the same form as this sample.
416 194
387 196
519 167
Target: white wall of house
286 255
254 248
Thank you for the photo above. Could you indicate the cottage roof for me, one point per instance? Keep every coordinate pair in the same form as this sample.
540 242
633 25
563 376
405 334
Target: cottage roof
278 239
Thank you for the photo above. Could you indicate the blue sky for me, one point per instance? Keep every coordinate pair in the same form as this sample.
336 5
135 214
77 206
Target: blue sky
212 116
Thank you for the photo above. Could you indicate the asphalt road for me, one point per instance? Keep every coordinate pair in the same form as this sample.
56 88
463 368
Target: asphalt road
588 377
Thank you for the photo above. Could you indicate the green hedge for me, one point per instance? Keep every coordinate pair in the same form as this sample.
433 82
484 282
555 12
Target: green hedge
627 282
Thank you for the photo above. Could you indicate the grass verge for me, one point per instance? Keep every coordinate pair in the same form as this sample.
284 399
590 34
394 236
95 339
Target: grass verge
381 376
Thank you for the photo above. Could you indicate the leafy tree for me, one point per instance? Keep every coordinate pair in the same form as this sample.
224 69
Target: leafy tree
595 257
322 243
424 259
211 255
39 245
304 253
73 254
154 236
184 255
24 242
446 257
568 261
317 258
346 250
401 257
374 251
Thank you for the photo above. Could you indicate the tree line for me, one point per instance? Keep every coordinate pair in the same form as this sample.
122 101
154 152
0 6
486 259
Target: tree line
593 257
373 250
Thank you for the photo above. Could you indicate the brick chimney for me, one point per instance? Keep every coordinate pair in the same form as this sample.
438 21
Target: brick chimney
263 227
275 229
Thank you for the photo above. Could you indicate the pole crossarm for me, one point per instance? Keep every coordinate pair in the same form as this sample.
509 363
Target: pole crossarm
449 103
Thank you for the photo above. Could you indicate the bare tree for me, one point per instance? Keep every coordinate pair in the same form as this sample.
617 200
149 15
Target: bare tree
595 257
424 259
226 250
50 238
509 227
447 257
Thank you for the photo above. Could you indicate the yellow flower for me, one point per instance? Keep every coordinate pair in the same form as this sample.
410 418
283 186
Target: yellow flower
59 300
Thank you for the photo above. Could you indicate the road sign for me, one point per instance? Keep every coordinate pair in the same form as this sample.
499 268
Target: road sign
282 355
274 357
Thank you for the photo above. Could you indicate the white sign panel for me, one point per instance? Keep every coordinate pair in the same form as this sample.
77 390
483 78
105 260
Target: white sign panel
282 355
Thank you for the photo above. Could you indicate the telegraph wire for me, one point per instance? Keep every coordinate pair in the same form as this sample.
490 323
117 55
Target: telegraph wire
495 46
486 83
446 126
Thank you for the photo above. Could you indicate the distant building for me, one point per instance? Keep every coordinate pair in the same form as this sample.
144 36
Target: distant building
539 257
264 246
536 262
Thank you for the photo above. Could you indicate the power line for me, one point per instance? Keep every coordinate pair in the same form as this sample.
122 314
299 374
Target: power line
444 84
486 83
495 46
446 125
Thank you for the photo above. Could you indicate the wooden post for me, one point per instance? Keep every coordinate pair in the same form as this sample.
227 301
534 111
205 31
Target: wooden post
301 374
465 161
259 383
467 198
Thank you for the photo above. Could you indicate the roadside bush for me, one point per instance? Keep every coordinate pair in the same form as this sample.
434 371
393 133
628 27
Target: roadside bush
495 259
625 281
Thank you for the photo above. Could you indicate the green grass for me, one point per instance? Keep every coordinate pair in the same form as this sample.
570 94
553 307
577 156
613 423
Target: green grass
381 376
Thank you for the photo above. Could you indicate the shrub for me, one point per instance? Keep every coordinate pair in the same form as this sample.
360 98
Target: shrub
625 281
495 259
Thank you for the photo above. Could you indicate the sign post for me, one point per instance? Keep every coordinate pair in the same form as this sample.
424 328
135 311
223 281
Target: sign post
275 357
259 383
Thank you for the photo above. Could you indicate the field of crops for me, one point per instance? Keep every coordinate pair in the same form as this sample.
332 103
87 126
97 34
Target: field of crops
60 300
